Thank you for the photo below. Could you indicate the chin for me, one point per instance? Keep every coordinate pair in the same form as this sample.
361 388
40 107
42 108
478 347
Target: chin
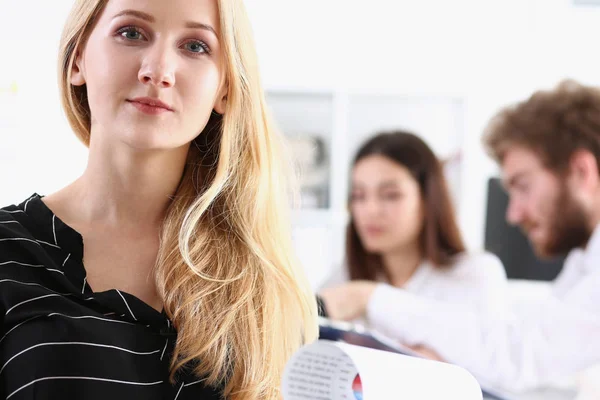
544 250
150 135
148 141
375 246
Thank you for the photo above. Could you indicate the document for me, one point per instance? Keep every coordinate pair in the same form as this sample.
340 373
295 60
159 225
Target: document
334 370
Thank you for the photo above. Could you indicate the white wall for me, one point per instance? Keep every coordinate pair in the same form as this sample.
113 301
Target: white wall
490 52
33 129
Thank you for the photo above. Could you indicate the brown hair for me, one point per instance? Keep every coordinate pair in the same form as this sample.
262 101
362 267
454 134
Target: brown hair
440 238
553 124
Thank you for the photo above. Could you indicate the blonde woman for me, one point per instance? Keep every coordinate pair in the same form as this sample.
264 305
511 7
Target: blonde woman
165 271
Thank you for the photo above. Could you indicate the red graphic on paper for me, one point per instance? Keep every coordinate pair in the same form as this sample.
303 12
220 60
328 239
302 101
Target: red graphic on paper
357 387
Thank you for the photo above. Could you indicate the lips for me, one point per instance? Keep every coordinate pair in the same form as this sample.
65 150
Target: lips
373 230
151 102
150 106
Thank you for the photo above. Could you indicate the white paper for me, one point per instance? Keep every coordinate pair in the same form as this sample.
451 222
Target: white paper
326 370
320 373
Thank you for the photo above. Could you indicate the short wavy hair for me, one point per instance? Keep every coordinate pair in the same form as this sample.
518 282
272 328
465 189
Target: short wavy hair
552 123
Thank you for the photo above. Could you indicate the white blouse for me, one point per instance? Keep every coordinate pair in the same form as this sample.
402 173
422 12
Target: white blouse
473 288
476 282
464 315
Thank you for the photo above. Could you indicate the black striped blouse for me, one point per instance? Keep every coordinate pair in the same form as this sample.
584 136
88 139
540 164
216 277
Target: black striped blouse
61 340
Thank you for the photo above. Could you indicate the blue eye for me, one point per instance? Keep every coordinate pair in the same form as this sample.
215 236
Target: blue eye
196 46
130 33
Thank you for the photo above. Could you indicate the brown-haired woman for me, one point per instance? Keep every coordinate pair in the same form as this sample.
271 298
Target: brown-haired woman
407 271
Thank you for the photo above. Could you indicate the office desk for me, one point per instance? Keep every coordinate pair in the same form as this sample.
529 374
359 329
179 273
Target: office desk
545 394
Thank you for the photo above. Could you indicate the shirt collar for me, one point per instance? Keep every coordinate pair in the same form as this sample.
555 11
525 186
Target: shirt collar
591 253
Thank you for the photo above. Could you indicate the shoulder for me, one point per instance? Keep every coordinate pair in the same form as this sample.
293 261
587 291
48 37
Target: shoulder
18 242
11 225
478 266
14 221
477 279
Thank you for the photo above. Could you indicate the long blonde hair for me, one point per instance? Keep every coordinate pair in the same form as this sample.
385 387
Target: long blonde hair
226 269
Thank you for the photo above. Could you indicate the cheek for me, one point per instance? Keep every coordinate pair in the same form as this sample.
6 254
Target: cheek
199 87
357 212
405 218
107 72
406 209
540 207
198 93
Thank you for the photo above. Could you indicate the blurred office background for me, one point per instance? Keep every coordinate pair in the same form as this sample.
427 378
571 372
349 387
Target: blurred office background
335 72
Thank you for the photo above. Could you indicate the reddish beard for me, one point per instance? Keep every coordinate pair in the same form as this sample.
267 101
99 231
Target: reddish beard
567 226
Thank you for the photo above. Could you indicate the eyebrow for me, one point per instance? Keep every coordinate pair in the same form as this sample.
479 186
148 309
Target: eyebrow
383 185
389 185
149 18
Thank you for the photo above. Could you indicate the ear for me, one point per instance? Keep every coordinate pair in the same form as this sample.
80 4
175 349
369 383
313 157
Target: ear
584 170
221 102
77 71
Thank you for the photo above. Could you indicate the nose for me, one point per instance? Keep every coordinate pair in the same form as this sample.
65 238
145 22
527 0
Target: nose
371 207
159 66
514 212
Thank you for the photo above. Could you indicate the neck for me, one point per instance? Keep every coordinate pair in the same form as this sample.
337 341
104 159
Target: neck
123 187
402 263
594 217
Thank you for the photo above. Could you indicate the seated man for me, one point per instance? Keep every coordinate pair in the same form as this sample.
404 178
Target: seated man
549 150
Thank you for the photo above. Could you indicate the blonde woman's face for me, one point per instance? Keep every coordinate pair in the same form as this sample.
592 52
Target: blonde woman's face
152 71
386 205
